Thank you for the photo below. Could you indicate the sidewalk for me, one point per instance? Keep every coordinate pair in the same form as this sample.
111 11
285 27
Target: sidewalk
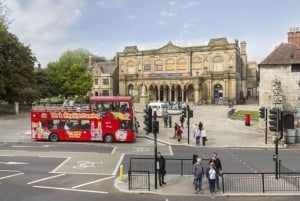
221 132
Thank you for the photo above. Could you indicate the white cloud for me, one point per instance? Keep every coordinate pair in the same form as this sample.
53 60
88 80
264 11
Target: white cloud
44 24
189 4
161 23
131 17
167 14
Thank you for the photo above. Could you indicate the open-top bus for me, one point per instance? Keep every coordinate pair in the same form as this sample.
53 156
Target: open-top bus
108 119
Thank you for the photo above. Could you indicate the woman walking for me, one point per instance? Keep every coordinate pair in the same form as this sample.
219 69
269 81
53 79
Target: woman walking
211 175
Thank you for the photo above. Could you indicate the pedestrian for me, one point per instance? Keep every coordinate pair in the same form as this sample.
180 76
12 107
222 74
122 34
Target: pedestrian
179 133
161 168
136 124
175 131
204 136
198 172
218 166
211 175
165 118
181 120
197 134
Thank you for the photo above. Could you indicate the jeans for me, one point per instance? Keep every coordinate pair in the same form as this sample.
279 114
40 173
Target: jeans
212 185
198 183
197 140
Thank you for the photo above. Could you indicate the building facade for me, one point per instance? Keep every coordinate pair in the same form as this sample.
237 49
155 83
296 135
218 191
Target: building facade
214 73
105 77
280 80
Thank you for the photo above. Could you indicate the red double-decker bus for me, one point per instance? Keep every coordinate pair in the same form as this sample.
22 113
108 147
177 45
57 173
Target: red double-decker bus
108 119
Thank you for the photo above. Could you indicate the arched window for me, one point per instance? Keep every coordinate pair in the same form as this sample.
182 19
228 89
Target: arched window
131 90
170 65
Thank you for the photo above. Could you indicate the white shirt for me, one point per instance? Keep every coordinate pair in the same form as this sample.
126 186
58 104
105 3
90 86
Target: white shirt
212 174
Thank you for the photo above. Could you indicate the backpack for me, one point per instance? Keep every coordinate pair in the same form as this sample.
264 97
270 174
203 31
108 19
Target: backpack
178 131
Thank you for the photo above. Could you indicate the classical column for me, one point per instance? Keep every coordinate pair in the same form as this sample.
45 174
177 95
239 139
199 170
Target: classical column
182 95
170 93
158 93
176 94
165 93
196 94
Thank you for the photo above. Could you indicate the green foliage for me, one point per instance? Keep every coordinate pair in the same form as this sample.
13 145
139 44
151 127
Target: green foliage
240 114
16 67
70 74
44 84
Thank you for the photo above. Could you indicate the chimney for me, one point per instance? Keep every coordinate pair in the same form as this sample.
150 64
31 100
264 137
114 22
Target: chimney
294 35
90 61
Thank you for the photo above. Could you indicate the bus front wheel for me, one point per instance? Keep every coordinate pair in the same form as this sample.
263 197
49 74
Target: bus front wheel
108 138
53 137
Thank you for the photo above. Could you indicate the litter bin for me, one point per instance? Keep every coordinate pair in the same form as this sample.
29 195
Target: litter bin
247 119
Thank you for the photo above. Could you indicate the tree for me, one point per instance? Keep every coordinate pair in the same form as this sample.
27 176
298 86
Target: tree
16 66
44 84
70 73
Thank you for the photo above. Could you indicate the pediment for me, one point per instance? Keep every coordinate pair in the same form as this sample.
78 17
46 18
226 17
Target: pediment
170 48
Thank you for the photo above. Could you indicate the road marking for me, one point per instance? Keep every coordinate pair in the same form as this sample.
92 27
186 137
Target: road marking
69 189
114 149
86 164
140 149
171 150
9 171
92 182
13 175
32 182
65 161
13 163
3 144
119 163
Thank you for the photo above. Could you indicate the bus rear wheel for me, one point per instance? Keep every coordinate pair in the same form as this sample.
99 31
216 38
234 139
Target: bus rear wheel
108 138
53 137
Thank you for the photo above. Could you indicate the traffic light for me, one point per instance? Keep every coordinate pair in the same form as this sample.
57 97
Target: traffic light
274 123
148 120
262 112
191 113
184 112
155 126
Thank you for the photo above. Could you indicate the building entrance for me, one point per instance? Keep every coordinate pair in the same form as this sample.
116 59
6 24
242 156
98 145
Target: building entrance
218 94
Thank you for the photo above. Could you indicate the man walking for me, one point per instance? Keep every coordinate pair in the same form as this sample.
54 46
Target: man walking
198 172
161 168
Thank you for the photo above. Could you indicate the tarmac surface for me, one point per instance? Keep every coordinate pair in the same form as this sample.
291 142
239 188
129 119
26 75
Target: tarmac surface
221 132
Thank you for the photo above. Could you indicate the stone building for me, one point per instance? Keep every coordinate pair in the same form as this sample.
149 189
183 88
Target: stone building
252 80
280 79
214 73
105 77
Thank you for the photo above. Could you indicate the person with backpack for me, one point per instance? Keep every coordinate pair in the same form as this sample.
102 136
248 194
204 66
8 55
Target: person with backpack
198 172
178 133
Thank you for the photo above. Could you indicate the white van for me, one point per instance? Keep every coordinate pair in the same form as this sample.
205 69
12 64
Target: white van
159 107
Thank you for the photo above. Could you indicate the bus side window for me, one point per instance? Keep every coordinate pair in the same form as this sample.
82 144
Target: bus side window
85 124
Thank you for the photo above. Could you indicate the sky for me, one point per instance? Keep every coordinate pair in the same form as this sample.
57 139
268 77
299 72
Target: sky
105 27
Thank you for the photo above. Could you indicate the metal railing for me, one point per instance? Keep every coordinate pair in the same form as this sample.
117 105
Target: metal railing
245 182
289 175
173 166
138 180
259 183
